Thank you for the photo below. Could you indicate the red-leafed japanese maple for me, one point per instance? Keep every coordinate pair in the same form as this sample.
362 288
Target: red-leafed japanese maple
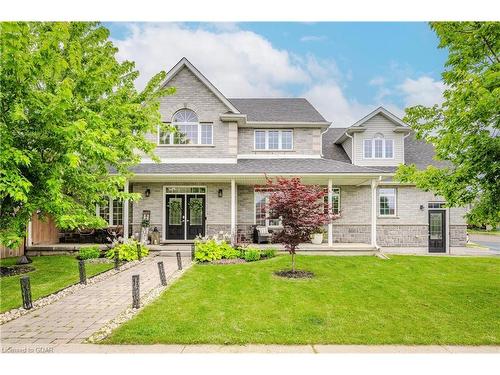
301 209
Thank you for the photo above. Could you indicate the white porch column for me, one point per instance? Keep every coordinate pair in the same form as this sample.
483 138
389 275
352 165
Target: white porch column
29 237
233 210
330 203
125 213
374 213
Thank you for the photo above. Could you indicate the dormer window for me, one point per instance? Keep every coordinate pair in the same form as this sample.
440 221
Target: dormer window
378 147
190 130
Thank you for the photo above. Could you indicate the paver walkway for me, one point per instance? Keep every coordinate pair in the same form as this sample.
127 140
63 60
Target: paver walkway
77 316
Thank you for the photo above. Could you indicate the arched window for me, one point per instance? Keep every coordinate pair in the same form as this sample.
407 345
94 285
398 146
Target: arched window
189 131
378 147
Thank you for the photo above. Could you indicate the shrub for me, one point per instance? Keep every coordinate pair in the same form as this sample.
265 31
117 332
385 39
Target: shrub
89 252
207 251
127 251
229 252
268 253
252 254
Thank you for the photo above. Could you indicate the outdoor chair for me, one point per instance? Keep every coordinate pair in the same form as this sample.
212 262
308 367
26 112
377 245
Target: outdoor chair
262 234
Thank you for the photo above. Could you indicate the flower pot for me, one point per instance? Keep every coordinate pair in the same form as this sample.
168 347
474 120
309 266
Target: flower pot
317 238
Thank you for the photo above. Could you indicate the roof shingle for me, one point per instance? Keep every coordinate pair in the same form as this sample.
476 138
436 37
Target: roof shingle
278 109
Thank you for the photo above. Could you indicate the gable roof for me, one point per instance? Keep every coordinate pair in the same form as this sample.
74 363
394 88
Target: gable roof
278 110
384 112
358 125
184 63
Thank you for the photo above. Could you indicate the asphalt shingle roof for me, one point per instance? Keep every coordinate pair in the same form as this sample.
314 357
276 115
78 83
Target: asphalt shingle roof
256 166
332 150
417 152
278 109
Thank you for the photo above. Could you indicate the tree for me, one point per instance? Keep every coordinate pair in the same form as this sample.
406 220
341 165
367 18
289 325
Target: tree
69 114
301 209
465 128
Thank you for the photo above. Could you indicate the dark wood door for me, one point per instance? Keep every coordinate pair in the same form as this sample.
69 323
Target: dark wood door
195 216
175 214
437 231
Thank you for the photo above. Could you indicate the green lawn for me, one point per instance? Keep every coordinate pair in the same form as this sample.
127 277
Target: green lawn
52 274
352 300
494 232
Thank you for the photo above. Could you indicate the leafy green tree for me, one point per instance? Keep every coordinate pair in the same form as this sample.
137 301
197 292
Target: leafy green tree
465 128
69 114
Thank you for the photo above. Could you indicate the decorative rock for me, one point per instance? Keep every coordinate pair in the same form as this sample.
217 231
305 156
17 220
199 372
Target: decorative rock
39 303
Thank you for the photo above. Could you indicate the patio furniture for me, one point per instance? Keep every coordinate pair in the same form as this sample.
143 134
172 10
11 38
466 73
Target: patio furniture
115 231
262 234
86 235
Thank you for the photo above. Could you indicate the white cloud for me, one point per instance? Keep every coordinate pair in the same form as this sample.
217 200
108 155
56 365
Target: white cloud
238 62
313 38
377 81
245 64
424 90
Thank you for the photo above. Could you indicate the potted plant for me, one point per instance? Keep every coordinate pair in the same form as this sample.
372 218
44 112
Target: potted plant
317 236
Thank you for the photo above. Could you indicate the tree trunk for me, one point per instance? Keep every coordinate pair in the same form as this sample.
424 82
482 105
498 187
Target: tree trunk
293 262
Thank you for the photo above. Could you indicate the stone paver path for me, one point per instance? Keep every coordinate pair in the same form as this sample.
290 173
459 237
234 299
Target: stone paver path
77 316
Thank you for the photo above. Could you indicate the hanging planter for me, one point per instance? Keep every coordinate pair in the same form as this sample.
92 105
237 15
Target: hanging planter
174 207
196 206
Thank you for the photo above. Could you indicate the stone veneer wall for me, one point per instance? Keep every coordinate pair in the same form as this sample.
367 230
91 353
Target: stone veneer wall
408 229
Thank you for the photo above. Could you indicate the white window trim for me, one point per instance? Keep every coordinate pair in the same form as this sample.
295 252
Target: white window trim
395 202
255 212
334 188
266 138
198 144
110 212
372 140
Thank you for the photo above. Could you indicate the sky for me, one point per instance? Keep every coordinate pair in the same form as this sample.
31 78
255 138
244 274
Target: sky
345 69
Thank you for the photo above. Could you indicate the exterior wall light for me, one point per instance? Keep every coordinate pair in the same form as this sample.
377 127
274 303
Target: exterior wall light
219 193
147 193
421 207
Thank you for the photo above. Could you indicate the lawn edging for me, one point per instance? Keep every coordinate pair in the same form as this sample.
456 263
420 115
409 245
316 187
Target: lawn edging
130 312
15 313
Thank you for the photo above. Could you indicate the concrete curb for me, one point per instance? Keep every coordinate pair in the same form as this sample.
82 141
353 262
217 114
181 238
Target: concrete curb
255 349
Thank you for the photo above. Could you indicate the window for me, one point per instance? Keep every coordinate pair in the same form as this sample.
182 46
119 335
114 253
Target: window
104 211
117 212
273 139
436 205
378 148
112 212
387 201
261 215
389 148
335 200
189 130
368 148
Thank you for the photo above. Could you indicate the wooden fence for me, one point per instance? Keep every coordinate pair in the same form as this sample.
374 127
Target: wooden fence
6 252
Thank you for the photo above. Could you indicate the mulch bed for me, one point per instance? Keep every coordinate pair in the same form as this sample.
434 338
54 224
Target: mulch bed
15 270
298 274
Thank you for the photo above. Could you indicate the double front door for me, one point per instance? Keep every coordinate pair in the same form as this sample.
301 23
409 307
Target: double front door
185 216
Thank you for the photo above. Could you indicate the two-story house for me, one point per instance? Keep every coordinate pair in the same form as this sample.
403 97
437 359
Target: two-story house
210 171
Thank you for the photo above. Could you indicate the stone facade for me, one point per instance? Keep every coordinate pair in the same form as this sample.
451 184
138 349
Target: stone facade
305 142
409 228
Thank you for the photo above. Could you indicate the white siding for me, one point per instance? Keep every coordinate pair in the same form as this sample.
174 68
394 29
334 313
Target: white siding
378 124
347 145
